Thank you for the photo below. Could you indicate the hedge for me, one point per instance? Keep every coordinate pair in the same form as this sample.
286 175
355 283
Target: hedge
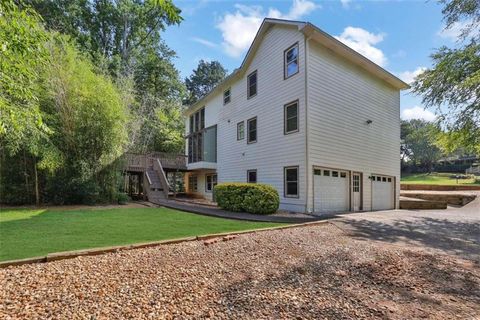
254 198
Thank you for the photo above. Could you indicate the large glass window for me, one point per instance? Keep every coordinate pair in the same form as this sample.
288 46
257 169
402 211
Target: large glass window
291 61
252 130
291 117
252 84
202 143
240 130
291 182
252 176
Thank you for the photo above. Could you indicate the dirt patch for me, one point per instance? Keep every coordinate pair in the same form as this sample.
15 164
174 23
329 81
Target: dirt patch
312 272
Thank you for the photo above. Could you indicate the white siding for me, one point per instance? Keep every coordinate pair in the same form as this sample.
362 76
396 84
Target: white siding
341 98
273 150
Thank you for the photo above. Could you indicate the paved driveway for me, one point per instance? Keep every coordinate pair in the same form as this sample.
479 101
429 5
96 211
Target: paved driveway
452 231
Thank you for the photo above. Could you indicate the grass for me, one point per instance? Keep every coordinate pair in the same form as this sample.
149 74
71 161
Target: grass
437 178
37 232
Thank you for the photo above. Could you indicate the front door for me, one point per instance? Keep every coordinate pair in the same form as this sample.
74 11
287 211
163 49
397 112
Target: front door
357 191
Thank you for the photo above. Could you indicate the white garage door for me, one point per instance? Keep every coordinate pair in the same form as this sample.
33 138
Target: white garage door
382 193
330 190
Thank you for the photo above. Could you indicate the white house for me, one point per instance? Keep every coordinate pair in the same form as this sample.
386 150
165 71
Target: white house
306 114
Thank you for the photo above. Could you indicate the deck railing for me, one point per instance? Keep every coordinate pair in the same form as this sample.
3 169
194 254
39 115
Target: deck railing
139 162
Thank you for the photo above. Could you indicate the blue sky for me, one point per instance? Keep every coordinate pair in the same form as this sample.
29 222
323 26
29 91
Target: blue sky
398 35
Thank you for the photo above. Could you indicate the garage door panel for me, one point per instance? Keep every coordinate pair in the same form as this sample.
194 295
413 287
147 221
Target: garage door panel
331 190
382 192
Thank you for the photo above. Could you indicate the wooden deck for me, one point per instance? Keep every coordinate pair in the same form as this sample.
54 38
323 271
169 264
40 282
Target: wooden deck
169 161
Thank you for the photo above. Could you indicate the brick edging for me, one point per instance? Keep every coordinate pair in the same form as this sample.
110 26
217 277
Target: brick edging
102 250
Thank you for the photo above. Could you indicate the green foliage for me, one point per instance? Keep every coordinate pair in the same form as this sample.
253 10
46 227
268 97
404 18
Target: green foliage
419 143
22 52
123 198
454 80
249 197
203 80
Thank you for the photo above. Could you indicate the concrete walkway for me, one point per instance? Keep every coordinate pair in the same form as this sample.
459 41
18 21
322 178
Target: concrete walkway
217 212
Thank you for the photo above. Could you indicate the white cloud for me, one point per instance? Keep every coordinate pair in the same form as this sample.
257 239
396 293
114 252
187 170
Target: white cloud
363 42
345 3
204 42
239 28
454 32
418 113
409 76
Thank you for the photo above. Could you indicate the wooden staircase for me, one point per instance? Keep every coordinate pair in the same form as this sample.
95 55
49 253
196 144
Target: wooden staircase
154 165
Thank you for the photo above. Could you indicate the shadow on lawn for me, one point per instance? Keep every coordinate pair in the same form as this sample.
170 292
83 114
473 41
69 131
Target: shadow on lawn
342 286
452 237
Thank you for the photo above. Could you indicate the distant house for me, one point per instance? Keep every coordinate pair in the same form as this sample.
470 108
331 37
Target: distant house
456 163
306 114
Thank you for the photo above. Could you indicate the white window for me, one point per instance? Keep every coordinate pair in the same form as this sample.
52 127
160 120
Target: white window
210 182
252 176
226 96
291 61
252 130
252 84
291 117
240 130
291 182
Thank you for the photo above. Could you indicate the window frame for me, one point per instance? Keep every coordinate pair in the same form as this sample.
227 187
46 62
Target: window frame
213 182
285 63
242 123
229 96
248 84
248 175
192 177
248 130
285 182
285 107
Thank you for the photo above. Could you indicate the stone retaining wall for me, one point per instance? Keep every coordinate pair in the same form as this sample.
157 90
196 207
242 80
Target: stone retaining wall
433 187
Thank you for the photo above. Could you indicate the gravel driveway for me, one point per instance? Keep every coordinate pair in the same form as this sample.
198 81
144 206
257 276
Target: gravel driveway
311 272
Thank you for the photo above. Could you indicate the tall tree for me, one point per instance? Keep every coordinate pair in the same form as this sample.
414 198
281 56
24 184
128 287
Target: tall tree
22 52
203 79
452 85
419 143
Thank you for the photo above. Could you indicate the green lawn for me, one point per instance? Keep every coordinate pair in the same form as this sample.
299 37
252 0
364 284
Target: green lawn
436 178
36 232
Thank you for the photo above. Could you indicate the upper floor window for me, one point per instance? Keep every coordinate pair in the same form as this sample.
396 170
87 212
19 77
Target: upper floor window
197 121
252 130
291 117
252 176
291 61
240 130
252 84
226 96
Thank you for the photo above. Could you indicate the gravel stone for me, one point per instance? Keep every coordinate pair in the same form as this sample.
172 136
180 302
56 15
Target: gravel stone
315 272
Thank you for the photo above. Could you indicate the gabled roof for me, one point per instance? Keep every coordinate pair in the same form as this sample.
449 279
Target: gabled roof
316 34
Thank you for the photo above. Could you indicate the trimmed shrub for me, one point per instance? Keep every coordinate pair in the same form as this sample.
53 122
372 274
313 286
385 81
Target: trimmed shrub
254 198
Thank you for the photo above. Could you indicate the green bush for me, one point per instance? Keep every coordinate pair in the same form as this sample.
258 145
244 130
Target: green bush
123 198
248 197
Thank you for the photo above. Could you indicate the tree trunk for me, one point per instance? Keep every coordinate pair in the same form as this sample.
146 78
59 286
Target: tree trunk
37 194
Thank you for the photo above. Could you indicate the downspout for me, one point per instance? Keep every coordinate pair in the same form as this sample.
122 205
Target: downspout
307 155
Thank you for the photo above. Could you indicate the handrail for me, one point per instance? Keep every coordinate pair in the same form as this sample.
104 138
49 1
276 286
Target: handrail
163 177
148 177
